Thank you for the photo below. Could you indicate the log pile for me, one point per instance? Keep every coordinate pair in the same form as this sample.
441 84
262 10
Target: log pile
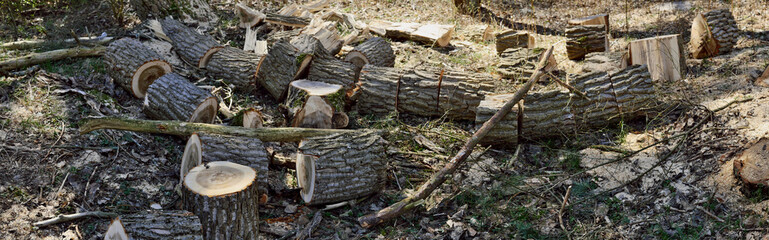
713 33
584 39
750 166
664 55
134 66
429 34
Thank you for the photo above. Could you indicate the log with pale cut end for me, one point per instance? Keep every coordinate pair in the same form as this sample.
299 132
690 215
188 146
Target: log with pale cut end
425 92
207 147
248 16
605 62
333 71
584 39
375 51
133 66
235 66
723 28
513 39
173 97
340 167
286 20
429 34
278 68
193 47
252 118
224 196
751 166
602 105
664 56
315 111
116 231
38 58
308 48
171 224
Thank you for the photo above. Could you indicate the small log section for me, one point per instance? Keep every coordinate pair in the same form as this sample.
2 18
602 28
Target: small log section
664 55
514 39
375 51
605 62
286 20
333 71
278 68
224 196
193 47
173 97
133 66
713 33
235 66
171 224
206 147
763 80
340 167
425 92
600 19
751 165
584 39
555 113
429 34
38 58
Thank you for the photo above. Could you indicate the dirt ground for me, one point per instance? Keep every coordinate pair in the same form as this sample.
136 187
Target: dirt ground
689 193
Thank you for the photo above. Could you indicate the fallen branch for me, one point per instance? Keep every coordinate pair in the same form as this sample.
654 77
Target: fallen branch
567 86
37 58
70 217
82 41
307 231
180 128
438 178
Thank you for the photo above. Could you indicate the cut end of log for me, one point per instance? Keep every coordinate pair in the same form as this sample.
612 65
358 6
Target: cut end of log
305 174
252 118
191 157
751 165
316 113
340 120
146 75
219 179
116 231
315 88
203 62
206 111
356 58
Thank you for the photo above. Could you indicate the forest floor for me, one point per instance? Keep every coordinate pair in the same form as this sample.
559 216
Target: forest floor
51 169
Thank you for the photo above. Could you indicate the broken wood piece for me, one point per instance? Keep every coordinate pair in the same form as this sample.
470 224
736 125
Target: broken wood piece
584 39
166 224
340 167
173 97
514 39
207 147
763 80
81 41
252 118
38 58
286 20
236 67
248 16
375 51
192 47
116 231
224 195
250 43
133 66
75 216
307 231
429 34
315 111
278 68
260 48
316 6
664 56
751 166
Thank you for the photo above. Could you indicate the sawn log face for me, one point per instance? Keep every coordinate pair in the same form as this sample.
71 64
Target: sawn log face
241 150
124 57
278 68
188 43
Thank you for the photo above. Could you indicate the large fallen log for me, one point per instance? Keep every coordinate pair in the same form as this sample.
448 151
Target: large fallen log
375 51
340 167
81 41
514 39
584 39
235 66
430 34
171 224
598 19
173 97
193 47
133 66
206 147
664 55
37 58
224 196
185 129
278 68
425 92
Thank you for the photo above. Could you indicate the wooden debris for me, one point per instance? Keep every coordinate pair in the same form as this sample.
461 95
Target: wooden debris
430 34
134 66
355 159
193 47
605 62
287 20
37 58
171 224
277 69
206 147
224 196
584 39
75 216
375 51
81 41
664 55
250 44
173 97
599 19
763 80
713 33
514 39
751 166
315 111
248 16
235 66
519 63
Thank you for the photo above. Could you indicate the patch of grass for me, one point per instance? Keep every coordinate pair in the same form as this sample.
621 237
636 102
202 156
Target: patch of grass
571 162
76 67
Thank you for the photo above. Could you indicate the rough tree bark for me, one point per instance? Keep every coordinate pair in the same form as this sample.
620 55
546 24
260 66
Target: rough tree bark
235 66
286 20
584 39
375 51
518 63
724 28
246 151
193 47
430 34
340 167
173 97
513 39
171 224
278 68
133 66
332 70
198 10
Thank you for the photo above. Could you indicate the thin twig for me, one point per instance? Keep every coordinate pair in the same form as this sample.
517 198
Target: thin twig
567 86
85 192
70 217
62 184
560 212
710 214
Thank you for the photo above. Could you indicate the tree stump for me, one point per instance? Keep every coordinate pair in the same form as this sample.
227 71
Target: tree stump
584 39
713 33
311 109
333 71
192 47
286 20
235 66
425 92
340 167
206 147
134 66
224 196
375 51
751 166
664 55
173 97
172 224
278 68
513 39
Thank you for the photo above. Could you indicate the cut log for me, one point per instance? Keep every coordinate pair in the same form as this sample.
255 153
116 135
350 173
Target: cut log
751 165
198 10
248 16
193 47
599 19
252 118
344 19
315 111
424 92
206 147
286 20
235 66
308 48
173 224
514 39
37 58
519 63
702 43
224 196
605 62
584 39
278 68
340 167
375 51
283 35
664 55
763 80
333 71
430 34
250 43
327 34
133 66
173 97
116 231
723 28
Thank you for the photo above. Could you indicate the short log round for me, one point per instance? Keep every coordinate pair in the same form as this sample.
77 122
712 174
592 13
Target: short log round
206 147
134 66
193 47
173 97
